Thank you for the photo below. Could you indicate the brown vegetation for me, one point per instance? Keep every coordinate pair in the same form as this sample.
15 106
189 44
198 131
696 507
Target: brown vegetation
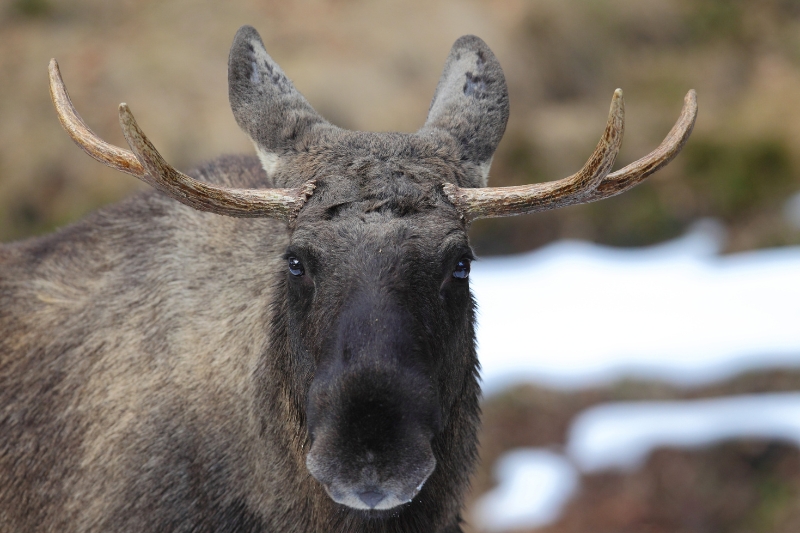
373 66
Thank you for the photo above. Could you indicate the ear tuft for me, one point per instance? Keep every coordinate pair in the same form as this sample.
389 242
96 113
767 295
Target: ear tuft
471 102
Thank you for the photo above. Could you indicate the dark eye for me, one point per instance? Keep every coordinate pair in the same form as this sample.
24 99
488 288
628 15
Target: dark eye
462 269
295 266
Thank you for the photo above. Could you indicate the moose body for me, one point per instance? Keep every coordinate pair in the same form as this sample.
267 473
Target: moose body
305 364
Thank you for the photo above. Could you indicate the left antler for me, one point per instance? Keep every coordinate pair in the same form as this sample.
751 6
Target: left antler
591 183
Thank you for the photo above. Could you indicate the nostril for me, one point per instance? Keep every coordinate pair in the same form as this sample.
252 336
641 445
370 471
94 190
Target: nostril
371 498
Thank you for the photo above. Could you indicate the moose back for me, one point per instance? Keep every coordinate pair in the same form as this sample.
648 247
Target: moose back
306 362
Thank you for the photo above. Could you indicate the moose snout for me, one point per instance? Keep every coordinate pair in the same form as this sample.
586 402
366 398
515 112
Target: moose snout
372 436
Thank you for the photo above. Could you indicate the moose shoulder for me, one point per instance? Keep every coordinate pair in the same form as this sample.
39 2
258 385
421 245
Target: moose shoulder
305 363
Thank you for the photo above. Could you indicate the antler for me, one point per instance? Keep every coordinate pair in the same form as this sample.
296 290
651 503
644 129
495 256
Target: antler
147 164
591 183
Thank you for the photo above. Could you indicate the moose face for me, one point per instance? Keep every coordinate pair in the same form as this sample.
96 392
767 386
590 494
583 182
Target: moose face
379 307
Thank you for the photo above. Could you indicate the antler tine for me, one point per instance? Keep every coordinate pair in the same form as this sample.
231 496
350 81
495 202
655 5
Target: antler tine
108 154
517 200
636 172
254 203
147 164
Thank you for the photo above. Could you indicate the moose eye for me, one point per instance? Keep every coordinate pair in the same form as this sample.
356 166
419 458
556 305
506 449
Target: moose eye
295 266
462 269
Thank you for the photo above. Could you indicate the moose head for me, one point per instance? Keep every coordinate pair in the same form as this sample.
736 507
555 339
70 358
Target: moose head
374 308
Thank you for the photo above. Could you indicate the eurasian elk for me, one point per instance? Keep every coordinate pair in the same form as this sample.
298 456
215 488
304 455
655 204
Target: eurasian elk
305 363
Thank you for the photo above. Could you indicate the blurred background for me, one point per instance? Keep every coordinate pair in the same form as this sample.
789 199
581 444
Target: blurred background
373 65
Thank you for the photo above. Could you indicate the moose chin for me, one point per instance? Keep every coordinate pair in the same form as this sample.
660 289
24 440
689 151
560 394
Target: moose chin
275 343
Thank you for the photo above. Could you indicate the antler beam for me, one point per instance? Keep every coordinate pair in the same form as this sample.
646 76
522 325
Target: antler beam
591 183
147 164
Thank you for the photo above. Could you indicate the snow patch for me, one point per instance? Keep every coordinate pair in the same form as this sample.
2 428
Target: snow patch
534 485
576 314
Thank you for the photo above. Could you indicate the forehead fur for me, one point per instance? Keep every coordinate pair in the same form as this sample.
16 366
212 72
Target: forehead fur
357 173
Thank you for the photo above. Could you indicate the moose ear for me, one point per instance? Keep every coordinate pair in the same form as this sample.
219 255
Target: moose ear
265 103
471 102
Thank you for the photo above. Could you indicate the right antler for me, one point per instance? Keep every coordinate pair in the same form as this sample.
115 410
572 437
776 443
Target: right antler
147 164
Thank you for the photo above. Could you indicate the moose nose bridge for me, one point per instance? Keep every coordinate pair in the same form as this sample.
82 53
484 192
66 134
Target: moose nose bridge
374 329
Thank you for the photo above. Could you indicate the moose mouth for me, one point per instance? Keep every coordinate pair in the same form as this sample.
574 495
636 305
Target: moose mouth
364 491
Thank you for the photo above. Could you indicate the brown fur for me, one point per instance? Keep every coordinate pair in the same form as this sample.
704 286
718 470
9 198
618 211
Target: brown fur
149 376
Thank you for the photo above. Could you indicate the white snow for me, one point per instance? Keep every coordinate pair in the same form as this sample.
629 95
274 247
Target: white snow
534 485
622 435
576 314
